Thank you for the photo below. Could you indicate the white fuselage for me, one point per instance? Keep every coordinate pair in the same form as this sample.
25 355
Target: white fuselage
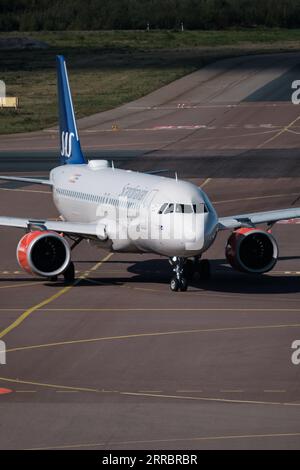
141 212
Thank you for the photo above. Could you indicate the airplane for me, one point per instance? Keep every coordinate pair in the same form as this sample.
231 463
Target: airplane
133 212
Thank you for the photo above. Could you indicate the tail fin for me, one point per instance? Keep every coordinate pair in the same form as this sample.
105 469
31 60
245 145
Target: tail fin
70 149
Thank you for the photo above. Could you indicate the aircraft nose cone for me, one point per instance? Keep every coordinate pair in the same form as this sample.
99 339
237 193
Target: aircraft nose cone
190 235
194 240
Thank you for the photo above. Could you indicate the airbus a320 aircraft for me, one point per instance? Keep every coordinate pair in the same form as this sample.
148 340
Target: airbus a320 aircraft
127 211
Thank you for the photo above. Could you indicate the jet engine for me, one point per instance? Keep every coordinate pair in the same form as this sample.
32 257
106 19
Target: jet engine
252 250
44 253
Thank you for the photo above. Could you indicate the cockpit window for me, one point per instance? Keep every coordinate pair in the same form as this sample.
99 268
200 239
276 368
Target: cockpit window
183 208
169 209
162 208
200 208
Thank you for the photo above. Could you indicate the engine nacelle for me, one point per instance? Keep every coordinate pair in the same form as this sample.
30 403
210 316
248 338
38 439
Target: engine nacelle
252 250
44 253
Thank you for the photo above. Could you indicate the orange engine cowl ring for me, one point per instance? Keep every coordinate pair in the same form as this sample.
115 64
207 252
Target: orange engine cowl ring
251 250
44 253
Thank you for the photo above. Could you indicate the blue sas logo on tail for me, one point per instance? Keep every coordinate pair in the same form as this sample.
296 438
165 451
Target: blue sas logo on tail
70 148
66 144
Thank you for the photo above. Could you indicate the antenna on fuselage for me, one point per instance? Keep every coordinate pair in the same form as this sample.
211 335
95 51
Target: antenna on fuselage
112 165
176 177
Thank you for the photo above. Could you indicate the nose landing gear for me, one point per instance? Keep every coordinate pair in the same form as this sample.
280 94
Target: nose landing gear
179 281
186 270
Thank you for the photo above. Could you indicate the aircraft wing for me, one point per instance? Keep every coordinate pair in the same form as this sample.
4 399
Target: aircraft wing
26 180
69 228
256 218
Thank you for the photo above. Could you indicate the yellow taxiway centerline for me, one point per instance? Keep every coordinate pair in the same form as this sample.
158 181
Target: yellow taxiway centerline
154 334
284 129
47 301
148 394
183 439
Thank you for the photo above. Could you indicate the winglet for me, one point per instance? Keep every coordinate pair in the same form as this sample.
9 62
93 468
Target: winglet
70 149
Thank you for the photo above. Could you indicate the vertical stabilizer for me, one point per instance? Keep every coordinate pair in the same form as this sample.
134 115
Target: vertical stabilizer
70 149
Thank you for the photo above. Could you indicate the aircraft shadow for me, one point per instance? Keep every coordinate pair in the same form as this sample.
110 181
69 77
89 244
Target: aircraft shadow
21 279
224 279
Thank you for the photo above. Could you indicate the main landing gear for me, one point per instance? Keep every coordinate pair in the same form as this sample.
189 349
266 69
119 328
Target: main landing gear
186 270
68 274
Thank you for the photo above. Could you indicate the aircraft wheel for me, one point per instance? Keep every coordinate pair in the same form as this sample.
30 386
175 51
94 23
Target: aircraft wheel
183 284
174 284
69 274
